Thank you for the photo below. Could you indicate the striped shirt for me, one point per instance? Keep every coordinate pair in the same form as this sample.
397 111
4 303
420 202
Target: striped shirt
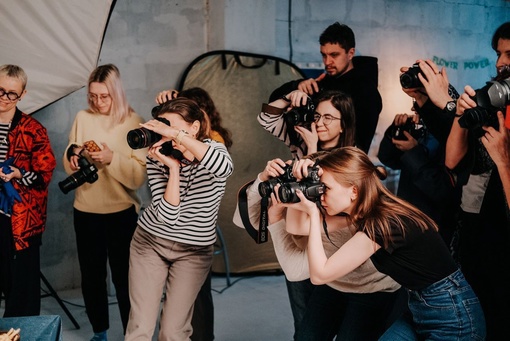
202 187
276 125
28 177
4 141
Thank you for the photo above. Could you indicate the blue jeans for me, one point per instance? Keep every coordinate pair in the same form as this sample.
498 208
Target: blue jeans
445 310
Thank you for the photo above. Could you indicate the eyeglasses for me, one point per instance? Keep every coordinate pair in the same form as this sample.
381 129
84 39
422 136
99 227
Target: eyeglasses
12 96
326 118
95 98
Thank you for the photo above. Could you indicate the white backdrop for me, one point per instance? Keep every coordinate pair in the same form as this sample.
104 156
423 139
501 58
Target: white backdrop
56 42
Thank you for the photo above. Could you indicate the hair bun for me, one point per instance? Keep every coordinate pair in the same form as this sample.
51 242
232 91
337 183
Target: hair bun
381 172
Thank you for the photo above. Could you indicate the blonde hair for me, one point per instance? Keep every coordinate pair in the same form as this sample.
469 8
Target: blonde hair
376 209
109 75
14 71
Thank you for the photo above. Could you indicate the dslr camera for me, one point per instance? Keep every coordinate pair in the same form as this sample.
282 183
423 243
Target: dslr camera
143 137
267 187
301 116
490 99
311 186
86 173
409 79
417 130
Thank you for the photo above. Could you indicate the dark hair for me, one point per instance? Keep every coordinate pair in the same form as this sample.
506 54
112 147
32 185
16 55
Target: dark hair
343 103
206 103
502 32
338 34
189 111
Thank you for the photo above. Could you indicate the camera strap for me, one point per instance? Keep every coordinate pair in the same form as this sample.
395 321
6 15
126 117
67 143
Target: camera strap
260 235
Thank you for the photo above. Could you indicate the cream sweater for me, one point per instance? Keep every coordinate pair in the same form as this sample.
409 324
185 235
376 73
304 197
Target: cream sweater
115 189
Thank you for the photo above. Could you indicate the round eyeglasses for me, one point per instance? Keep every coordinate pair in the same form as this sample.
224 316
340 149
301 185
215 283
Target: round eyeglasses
96 98
326 118
12 96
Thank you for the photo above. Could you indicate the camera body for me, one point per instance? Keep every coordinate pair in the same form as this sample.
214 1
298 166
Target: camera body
311 186
86 173
267 187
490 99
301 116
409 79
143 137
417 130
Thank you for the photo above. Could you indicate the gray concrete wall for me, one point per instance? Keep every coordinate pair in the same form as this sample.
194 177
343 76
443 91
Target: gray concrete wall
152 42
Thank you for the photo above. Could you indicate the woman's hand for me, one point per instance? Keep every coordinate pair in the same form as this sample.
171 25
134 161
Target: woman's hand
170 162
166 131
166 95
435 82
300 168
497 143
310 137
304 205
103 156
297 98
276 211
273 169
465 101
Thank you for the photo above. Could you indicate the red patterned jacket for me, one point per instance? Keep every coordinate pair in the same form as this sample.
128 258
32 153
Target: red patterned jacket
30 146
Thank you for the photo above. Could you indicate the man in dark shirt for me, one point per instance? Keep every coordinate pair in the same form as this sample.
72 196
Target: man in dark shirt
337 47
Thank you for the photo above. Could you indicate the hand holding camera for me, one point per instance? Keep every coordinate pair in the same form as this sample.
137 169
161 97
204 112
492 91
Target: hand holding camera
405 131
424 80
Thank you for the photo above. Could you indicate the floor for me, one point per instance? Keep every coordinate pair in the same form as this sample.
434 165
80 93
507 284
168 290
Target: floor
251 308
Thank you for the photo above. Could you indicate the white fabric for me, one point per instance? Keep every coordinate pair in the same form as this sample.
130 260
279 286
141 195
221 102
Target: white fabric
56 42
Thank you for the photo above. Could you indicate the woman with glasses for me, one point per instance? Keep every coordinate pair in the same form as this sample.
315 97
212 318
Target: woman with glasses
26 166
321 129
105 210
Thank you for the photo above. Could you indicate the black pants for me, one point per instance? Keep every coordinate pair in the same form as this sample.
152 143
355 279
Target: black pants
20 279
323 313
203 313
100 237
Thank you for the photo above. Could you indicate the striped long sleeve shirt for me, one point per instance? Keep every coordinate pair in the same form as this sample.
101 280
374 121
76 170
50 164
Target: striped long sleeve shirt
202 187
276 125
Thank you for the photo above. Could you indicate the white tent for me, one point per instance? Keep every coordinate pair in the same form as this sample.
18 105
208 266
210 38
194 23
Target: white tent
56 42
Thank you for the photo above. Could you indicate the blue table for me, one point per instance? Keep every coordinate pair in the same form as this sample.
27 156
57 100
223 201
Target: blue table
36 328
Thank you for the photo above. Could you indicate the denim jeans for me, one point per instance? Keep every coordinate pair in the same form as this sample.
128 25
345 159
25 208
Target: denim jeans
445 310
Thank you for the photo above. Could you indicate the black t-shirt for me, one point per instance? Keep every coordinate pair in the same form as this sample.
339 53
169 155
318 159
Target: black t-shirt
416 259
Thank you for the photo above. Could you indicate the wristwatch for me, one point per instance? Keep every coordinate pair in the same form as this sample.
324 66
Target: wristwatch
451 107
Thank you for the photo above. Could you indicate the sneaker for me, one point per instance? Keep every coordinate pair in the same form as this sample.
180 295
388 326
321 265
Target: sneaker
99 336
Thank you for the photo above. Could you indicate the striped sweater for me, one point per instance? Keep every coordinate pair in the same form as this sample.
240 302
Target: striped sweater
276 125
202 187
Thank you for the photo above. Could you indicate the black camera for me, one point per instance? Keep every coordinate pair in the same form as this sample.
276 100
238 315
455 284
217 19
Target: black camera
417 130
143 137
267 187
409 79
86 173
311 186
301 116
490 99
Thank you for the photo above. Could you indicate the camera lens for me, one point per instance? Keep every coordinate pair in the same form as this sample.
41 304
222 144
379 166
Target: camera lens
287 192
142 138
409 79
86 173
